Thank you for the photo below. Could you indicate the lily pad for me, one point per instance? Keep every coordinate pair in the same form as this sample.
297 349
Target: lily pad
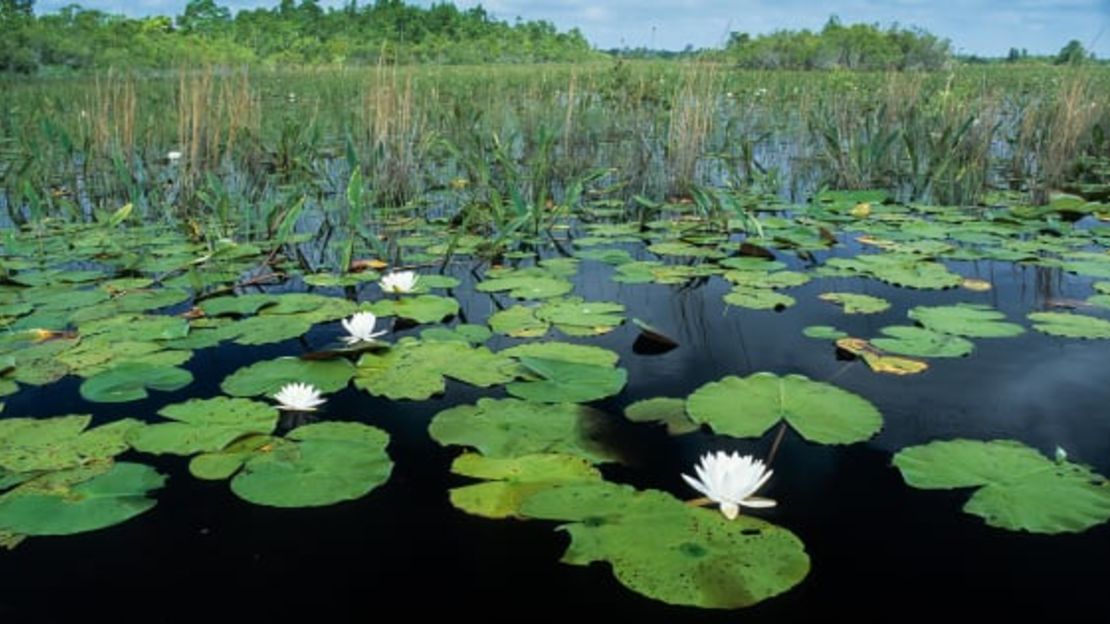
527 285
42 444
669 551
966 319
421 309
319 464
508 428
204 425
919 342
131 380
1018 488
563 351
511 480
823 332
854 303
758 298
414 369
518 322
749 406
267 377
570 382
79 499
668 411
1070 325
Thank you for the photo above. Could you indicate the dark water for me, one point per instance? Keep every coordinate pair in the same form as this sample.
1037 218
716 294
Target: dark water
879 549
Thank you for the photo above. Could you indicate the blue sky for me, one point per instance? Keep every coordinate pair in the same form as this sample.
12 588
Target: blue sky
987 27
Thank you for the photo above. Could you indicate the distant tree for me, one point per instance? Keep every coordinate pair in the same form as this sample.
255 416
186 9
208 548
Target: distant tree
203 17
1071 54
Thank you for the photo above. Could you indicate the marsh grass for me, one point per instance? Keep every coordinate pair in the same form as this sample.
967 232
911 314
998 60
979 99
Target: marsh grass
490 144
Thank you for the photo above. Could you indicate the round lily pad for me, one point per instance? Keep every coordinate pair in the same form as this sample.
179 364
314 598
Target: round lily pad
670 551
1070 325
920 342
966 319
322 464
749 406
79 500
570 382
508 428
511 480
267 377
131 380
1017 488
204 425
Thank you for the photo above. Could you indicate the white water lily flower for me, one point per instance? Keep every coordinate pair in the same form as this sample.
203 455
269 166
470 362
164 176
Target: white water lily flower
173 156
399 282
361 328
299 397
730 480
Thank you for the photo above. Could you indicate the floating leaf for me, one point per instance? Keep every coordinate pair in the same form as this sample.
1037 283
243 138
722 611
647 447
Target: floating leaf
671 412
920 342
267 377
421 309
131 380
566 352
1019 489
966 319
577 317
414 369
824 332
758 298
318 464
518 322
1070 325
749 406
855 303
570 382
40 444
204 425
79 500
511 480
514 428
878 361
669 551
654 335
527 285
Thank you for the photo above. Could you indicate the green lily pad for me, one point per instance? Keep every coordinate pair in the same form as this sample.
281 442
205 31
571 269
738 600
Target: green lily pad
243 305
267 377
260 330
918 342
37 444
1018 488
204 425
824 332
1070 325
527 285
508 428
575 316
471 334
518 322
563 351
131 380
510 480
562 381
79 500
967 320
670 551
758 298
414 369
319 464
421 309
671 412
749 406
854 303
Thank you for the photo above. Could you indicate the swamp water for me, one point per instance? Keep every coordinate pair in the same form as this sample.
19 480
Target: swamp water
874 546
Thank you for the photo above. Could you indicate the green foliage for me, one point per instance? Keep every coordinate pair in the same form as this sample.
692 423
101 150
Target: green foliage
205 32
857 46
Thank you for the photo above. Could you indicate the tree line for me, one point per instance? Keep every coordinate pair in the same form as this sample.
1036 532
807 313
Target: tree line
288 33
